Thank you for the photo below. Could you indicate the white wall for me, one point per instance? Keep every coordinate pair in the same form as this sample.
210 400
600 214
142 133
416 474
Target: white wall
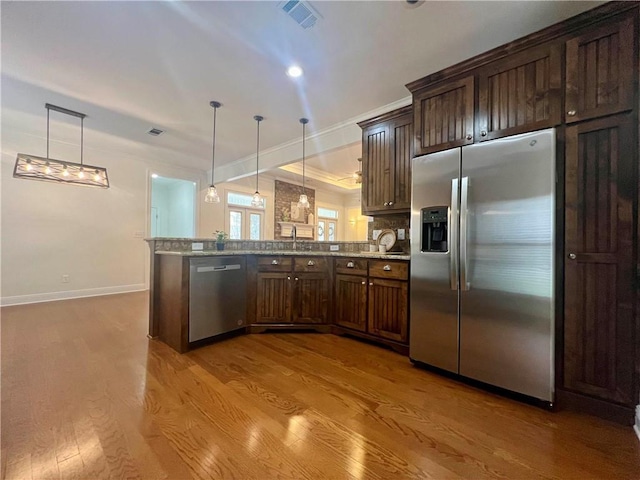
92 235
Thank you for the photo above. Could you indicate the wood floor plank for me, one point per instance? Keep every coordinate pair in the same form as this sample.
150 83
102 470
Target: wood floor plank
85 394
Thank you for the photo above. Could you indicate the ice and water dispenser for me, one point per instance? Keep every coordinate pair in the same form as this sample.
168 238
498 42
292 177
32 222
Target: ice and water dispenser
435 226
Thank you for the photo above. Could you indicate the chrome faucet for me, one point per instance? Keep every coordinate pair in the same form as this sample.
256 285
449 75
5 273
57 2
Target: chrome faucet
294 235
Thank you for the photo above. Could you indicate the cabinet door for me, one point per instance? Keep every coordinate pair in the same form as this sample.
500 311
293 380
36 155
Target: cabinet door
377 168
599 329
600 67
401 151
388 309
273 298
520 93
351 301
311 298
443 116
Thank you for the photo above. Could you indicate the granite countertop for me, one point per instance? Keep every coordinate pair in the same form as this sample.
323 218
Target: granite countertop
210 253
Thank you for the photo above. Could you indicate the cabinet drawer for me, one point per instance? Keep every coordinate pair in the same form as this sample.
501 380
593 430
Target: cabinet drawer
274 264
382 269
351 266
310 264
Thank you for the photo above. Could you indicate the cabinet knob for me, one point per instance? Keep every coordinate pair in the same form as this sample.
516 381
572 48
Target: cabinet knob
386 204
288 277
571 113
387 268
296 279
469 136
483 133
311 263
350 265
371 284
572 256
274 262
390 203
364 283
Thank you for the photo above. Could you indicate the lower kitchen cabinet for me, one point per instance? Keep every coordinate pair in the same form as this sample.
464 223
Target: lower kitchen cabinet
310 298
388 309
292 291
351 301
273 297
372 300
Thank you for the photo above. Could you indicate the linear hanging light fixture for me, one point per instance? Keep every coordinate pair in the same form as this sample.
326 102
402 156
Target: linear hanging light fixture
212 193
47 169
257 200
303 202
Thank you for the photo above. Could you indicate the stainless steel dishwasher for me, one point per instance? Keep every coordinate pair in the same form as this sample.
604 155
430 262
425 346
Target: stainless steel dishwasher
217 296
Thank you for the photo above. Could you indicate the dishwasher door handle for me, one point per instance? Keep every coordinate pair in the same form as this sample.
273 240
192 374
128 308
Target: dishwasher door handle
220 268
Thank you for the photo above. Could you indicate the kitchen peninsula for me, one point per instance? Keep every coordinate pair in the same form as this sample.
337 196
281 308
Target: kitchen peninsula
284 286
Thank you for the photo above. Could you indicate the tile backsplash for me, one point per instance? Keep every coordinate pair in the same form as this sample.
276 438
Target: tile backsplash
392 222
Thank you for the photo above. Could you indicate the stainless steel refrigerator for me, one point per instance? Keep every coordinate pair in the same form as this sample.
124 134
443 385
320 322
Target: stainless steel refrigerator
482 262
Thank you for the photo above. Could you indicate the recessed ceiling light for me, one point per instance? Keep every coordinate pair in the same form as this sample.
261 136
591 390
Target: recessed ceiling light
154 175
294 71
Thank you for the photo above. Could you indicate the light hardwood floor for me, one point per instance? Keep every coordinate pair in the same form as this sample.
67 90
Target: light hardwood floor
86 395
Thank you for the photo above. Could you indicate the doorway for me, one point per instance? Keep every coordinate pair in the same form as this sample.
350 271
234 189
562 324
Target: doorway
173 209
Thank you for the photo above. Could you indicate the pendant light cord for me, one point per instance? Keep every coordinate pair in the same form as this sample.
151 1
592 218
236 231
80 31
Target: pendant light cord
257 153
213 148
48 133
304 190
81 140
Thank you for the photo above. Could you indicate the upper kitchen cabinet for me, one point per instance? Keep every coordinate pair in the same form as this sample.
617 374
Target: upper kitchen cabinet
520 93
599 77
443 116
387 150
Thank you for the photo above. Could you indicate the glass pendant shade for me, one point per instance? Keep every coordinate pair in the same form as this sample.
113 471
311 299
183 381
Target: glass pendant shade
212 195
303 202
257 200
212 191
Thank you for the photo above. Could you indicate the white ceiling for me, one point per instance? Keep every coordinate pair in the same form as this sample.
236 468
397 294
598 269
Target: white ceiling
134 65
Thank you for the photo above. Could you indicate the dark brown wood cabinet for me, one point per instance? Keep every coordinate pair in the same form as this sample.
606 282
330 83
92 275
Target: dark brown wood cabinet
600 334
273 297
520 93
599 71
388 308
443 116
350 293
292 290
351 301
387 151
388 300
374 304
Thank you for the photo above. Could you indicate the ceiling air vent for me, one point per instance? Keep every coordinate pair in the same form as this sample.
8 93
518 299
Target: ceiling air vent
155 132
302 12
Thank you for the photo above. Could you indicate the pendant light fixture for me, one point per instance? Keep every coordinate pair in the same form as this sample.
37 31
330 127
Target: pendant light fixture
257 200
47 169
303 202
212 192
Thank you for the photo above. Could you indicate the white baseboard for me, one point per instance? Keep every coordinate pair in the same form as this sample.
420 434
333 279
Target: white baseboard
636 427
54 296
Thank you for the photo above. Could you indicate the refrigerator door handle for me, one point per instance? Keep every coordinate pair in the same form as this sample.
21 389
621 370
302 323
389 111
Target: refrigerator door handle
464 226
453 235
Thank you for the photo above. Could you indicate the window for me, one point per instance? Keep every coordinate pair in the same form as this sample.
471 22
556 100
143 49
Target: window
327 224
245 222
